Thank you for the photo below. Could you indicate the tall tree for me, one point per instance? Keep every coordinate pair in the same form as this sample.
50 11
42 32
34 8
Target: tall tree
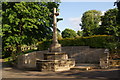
118 6
25 23
69 33
109 24
118 18
90 21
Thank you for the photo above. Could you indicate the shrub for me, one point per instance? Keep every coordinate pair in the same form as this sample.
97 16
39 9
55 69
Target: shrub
96 41
44 45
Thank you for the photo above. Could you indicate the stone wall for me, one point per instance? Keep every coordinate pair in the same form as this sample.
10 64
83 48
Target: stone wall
29 60
81 54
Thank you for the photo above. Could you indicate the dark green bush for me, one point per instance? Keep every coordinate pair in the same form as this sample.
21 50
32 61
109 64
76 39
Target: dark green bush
96 41
44 45
99 41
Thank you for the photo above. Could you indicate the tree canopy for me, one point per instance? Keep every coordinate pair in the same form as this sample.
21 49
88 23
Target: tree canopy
109 24
90 21
69 33
26 23
118 19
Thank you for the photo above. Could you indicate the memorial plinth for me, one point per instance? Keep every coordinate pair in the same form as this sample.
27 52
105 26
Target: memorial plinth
55 56
55 60
55 47
55 65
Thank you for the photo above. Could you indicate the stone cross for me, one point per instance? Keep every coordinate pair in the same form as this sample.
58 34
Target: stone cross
55 47
55 26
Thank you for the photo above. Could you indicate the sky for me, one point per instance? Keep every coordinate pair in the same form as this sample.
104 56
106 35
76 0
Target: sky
71 12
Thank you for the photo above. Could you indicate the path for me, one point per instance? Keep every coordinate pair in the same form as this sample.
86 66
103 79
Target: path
9 72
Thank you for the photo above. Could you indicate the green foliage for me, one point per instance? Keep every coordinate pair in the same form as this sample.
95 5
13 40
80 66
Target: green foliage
25 23
13 57
118 18
80 33
59 36
96 41
69 33
90 21
109 24
99 41
73 42
28 51
44 45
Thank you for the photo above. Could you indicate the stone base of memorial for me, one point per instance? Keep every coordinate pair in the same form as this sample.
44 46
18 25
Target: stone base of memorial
55 47
55 65
55 61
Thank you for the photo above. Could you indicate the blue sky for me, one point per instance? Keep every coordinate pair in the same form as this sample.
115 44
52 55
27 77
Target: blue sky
71 12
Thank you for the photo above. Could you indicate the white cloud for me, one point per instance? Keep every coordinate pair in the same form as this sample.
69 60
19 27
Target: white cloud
74 22
74 19
103 12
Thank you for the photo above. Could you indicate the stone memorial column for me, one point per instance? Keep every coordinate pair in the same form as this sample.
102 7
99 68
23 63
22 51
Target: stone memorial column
55 60
55 47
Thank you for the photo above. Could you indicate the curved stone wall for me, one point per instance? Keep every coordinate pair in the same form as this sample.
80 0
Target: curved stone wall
81 54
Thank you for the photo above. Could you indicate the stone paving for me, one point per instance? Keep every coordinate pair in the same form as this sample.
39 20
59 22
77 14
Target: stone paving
9 72
94 74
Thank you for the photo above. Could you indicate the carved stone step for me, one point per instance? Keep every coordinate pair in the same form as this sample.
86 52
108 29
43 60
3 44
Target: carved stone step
55 65
55 56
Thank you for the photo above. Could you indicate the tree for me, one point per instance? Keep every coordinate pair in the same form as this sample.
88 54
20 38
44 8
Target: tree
80 33
109 24
25 23
118 19
69 33
90 21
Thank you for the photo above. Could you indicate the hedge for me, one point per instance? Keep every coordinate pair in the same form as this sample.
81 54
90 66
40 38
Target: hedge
96 41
